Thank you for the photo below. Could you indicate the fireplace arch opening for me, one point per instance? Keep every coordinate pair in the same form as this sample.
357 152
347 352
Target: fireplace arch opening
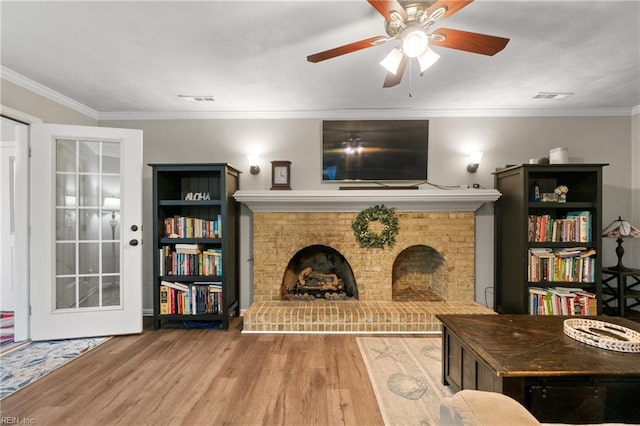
319 272
419 274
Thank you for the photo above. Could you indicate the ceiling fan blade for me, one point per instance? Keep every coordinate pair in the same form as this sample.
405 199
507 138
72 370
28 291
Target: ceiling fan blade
347 48
394 79
469 42
384 8
452 6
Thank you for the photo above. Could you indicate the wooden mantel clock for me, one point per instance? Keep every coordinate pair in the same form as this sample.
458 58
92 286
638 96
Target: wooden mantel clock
281 175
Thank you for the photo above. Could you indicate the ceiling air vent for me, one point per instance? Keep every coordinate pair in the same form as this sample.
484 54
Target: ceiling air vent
206 98
552 95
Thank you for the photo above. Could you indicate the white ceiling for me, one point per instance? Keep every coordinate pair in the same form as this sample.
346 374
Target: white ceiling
125 59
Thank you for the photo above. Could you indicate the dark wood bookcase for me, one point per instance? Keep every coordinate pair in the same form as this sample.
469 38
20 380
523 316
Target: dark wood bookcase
193 205
513 239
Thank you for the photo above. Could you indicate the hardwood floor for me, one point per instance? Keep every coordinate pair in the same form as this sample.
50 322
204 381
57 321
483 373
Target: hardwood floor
206 377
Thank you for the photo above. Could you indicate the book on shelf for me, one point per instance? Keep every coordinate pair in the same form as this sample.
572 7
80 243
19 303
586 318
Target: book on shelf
574 264
570 251
177 286
189 248
164 300
196 298
575 227
562 301
191 227
584 221
212 262
173 262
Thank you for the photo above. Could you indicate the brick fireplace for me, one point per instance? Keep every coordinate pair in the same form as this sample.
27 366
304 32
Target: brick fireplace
278 236
434 254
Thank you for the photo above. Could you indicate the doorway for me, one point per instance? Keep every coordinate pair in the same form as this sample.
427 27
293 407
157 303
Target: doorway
14 251
31 277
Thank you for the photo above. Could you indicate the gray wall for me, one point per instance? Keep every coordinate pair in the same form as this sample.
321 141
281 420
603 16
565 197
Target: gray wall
503 141
511 140
20 99
633 246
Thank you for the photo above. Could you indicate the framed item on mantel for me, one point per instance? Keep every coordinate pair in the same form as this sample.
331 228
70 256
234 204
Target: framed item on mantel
281 175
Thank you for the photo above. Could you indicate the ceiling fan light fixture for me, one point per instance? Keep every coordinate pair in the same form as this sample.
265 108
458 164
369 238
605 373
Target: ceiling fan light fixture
428 58
415 43
392 61
409 22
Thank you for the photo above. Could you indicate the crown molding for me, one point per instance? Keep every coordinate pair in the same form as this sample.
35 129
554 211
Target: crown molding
363 114
35 87
14 114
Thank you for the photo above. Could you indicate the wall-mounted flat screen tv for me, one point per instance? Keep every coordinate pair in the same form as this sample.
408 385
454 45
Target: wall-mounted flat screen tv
375 150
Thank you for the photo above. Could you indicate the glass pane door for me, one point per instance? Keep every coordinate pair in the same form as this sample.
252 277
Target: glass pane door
86 231
87 225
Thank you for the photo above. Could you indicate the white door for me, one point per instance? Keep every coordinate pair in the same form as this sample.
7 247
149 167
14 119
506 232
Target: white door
9 294
14 185
86 231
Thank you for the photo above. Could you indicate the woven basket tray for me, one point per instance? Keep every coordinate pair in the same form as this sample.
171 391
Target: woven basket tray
603 335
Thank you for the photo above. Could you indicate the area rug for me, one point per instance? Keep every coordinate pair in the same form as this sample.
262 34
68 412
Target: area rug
406 377
6 328
25 365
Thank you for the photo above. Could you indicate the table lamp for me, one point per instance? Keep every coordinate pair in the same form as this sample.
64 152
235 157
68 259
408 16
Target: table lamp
620 229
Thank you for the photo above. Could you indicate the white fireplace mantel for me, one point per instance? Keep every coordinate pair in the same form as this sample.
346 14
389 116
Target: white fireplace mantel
356 200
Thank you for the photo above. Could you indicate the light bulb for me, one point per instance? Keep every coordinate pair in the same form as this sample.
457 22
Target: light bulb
415 43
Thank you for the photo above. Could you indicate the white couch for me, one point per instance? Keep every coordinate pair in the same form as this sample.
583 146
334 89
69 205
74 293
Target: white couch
479 408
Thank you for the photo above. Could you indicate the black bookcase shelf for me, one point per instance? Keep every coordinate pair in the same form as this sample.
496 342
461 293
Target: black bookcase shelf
190 203
201 192
513 241
566 206
191 278
191 240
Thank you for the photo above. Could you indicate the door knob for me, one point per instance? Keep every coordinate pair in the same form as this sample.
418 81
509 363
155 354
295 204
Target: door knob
134 227
133 242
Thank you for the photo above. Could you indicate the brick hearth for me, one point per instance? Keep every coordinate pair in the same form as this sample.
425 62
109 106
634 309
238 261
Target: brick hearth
348 316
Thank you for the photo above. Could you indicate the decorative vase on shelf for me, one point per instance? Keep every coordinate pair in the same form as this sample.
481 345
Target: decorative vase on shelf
562 198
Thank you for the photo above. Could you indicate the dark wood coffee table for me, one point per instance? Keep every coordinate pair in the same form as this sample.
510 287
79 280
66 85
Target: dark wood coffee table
532 360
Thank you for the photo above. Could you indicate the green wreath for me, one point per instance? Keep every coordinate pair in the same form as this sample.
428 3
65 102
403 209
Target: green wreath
365 237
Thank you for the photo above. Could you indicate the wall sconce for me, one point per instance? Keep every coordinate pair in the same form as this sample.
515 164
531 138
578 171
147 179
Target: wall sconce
474 161
254 168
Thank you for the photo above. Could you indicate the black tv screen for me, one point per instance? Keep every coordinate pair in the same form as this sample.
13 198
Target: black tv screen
375 150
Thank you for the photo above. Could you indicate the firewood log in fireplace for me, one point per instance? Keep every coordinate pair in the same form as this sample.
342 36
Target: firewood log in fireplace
315 271
323 280
303 274
317 284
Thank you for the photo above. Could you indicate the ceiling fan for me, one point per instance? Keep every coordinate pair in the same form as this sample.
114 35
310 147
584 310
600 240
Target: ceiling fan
409 21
